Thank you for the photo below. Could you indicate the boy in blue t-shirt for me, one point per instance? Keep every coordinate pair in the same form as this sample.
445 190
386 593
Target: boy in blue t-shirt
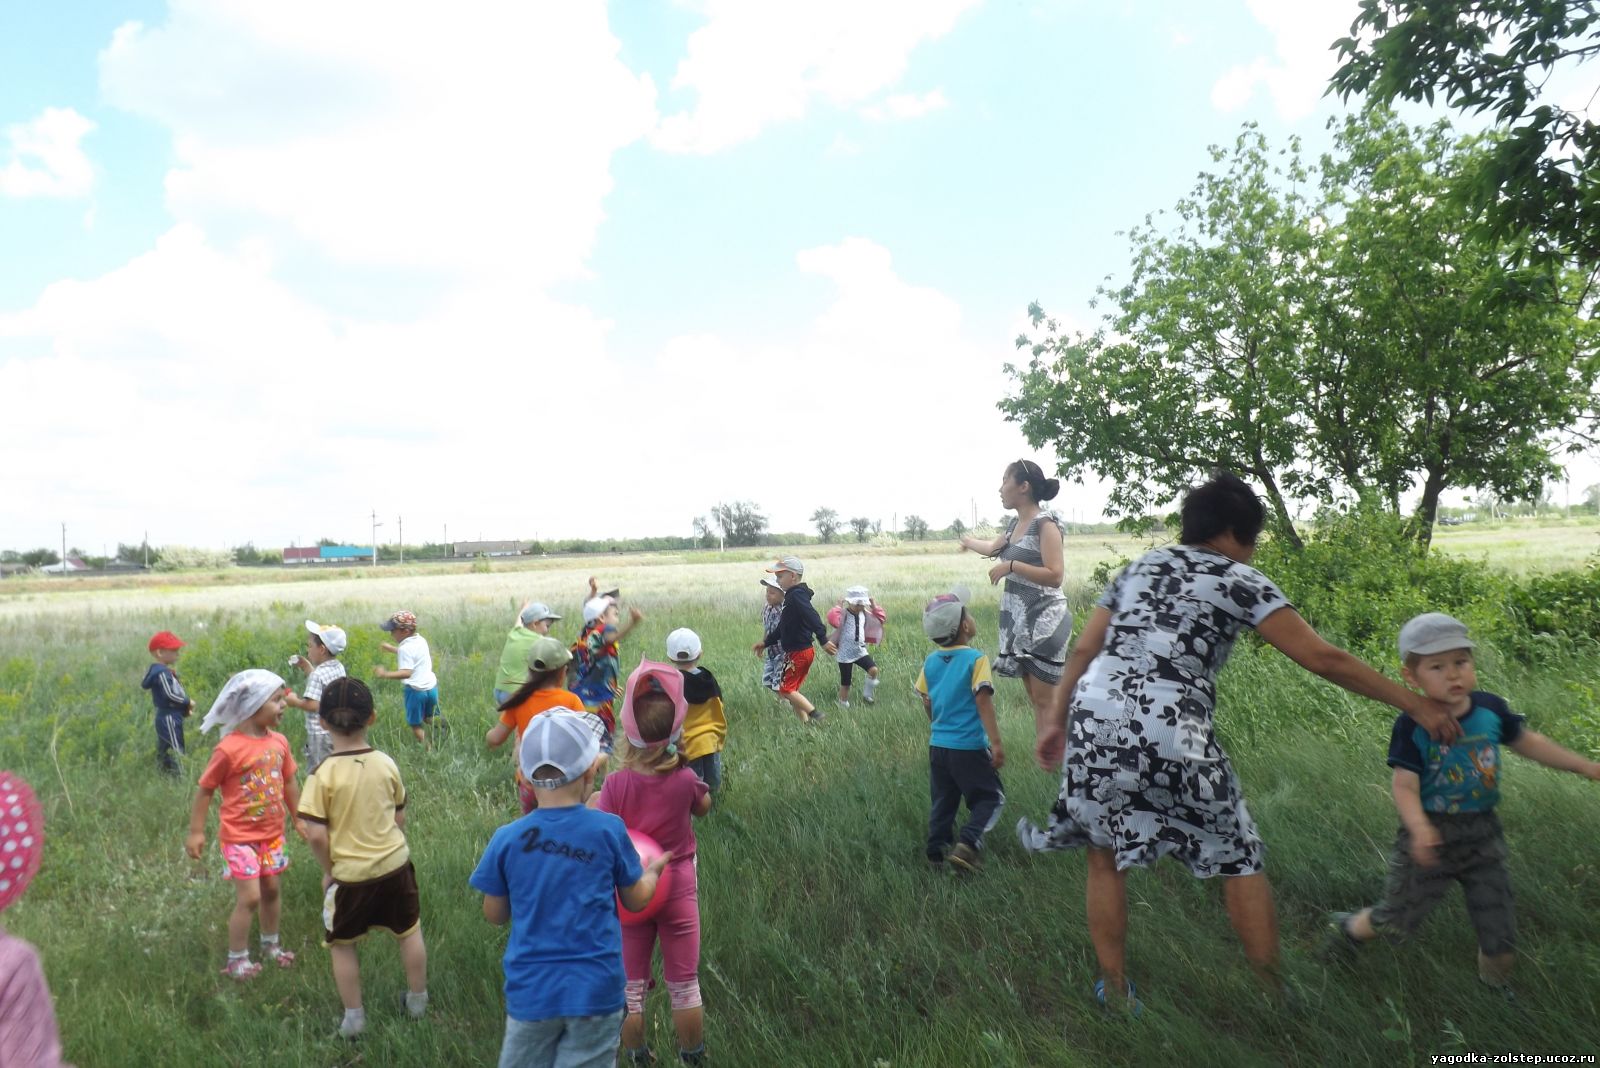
552 873
964 751
1446 796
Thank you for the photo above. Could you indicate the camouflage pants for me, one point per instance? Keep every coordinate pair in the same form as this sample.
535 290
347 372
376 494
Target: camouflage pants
1473 854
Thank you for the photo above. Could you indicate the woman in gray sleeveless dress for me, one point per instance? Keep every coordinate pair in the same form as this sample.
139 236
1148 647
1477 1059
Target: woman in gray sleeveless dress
1035 622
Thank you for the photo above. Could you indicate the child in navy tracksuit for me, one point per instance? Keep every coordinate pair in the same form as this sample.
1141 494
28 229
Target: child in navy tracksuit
173 706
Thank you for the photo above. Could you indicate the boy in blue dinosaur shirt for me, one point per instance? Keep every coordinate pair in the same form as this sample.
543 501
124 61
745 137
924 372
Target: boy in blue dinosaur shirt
1446 796
173 705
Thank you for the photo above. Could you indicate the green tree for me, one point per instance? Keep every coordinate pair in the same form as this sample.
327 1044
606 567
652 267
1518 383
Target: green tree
916 527
826 521
957 528
1537 183
861 525
704 533
1591 497
40 557
741 522
1198 364
1365 343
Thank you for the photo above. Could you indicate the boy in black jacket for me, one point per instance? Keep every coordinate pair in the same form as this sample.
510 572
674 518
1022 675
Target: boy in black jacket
173 706
797 625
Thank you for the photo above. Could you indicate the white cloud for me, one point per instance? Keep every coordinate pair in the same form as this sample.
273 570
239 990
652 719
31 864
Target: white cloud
1296 75
46 158
752 65
384 134
906 106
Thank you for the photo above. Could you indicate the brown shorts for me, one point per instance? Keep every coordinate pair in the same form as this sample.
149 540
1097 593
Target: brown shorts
350 910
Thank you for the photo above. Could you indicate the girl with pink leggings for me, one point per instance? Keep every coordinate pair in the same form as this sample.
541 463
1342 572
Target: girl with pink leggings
656 793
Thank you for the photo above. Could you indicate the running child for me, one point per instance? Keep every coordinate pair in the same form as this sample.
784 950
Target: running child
28 1033
857 624
173 705
656 793
554 874
771 612
705 726
798 623
1446 796
541 690
354 810
532 622
414 664
596 664
254 769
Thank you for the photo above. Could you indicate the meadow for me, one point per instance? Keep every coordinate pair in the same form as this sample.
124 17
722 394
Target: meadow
826 939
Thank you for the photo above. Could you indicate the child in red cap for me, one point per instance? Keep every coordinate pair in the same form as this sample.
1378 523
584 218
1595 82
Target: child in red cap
173 706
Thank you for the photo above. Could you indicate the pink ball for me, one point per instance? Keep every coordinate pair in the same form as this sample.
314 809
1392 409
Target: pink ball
648 850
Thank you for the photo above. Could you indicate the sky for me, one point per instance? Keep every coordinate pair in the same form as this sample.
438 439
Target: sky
574 269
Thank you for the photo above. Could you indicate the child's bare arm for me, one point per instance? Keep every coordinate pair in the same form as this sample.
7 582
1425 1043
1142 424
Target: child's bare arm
317 838
496 735
497 910
197 822
382 672
400 818
1406 787
991 726
637 896
635 617
291 797
1537 747
701 806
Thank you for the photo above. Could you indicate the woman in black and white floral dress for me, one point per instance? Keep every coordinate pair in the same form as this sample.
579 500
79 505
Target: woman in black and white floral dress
1144 776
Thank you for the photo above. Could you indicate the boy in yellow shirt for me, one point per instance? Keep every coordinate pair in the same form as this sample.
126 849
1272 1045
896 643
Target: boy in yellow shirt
353 808
705 727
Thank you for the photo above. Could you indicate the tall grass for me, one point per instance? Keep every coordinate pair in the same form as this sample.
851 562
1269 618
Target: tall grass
826 939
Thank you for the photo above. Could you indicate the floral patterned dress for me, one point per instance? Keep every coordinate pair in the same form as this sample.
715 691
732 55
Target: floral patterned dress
1144 775
1035 621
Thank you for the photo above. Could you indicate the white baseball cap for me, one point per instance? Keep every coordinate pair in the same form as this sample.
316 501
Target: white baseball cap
333 637
857 595
566 741
595 607
683 646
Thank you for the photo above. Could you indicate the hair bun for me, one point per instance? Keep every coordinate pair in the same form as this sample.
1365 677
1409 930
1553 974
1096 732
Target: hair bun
1051 487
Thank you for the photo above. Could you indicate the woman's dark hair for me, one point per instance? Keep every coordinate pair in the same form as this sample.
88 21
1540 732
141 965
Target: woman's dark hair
1225 503
1041 489
346 705
552 678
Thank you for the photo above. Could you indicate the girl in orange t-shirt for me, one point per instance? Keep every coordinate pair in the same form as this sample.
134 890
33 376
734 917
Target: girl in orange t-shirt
544 690
254 769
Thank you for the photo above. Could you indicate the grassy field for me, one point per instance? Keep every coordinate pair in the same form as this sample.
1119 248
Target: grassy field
826 940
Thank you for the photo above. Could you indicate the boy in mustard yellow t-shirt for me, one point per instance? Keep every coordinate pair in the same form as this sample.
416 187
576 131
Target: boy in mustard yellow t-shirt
705 727
353 810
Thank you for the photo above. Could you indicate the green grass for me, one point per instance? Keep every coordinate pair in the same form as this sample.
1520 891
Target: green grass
826 940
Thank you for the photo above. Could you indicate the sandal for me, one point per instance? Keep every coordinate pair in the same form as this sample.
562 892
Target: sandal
1135 1006
242 969
283 958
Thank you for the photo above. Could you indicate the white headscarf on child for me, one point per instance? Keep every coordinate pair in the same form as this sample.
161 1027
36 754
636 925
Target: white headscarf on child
242 698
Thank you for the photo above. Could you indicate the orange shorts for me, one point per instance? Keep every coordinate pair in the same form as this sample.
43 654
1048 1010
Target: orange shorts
795 666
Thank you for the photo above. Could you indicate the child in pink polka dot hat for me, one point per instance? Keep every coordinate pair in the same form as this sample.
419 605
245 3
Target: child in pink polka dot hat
28 1033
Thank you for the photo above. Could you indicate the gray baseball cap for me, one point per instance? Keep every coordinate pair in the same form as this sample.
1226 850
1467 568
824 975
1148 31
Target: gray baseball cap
536 611
562 740
941 619
1433 632
787 563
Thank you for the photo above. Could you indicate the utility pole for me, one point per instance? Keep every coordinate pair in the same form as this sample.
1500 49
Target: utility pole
147 550
447 551
375 526
63 548
400 525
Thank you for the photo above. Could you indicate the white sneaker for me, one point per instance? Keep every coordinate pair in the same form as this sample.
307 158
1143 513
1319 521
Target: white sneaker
842 704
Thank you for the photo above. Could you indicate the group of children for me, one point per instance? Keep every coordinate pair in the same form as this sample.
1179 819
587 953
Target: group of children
575 976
